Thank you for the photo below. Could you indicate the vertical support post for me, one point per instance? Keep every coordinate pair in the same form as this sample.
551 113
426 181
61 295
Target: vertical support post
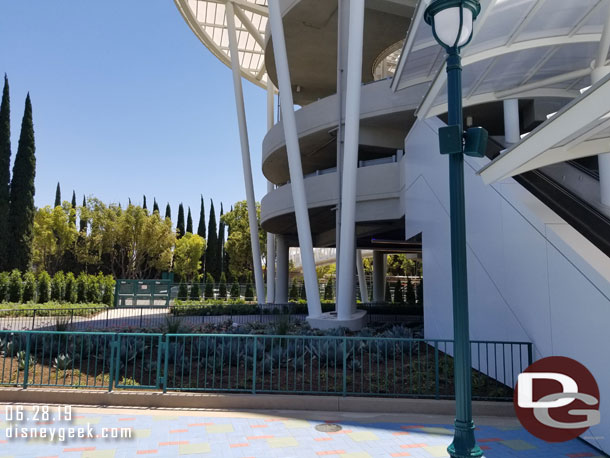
254 364
26 369
34 320
270 236
344 366
345 281
245 154
281 286
294 161
464 443
512 132
364 291
379 269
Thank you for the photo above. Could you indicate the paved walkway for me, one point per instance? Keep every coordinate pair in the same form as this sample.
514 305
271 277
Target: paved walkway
276 434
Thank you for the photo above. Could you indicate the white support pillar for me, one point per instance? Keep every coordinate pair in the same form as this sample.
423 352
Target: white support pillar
270 236
345 282
379 272
599 72
294 160
512 132
364 292
281 285
245 155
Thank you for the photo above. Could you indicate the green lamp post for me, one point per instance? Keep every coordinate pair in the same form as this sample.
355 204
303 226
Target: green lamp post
452 24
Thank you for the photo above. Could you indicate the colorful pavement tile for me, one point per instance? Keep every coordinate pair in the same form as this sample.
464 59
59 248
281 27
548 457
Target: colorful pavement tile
273 435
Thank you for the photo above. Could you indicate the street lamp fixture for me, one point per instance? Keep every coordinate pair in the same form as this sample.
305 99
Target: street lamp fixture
452 25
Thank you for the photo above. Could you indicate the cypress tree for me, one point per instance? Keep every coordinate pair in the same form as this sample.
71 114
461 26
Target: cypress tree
211 253
225 255
5 172
129 201
57 196
73 204
201 230
144 203
221 242
180 223
83 221
21 212
168 211
189 222
155 206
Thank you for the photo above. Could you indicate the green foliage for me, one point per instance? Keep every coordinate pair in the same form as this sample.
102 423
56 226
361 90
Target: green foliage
168 212
62 362
108 293
29 287
54 236
220 243
398 295
303 292
53 309
195 293
201 226
70 289
81 287
57 196
235 290
183 291
22 210
58 286
5 176
293 294
180 227
187 256
209 286
189 222
211 253
44 287
15 286
410 293
94 289
222 286
4 281
249 294
328 290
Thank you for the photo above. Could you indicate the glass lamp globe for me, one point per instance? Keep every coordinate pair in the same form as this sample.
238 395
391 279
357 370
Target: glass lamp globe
452 21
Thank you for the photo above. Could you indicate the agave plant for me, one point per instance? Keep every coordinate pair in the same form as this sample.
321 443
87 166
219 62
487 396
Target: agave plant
62 362
22 359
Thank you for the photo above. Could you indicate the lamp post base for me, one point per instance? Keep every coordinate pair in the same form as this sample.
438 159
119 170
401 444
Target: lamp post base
464 444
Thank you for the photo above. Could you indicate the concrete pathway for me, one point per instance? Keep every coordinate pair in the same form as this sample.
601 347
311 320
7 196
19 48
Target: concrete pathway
274 434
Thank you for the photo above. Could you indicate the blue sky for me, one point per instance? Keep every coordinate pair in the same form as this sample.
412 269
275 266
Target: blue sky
126 102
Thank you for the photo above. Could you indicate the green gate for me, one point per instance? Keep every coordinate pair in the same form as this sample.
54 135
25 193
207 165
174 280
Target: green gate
138 293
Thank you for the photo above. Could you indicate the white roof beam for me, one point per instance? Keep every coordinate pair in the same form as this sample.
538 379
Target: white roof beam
418 19
525 22
574 117
604 44
543 83
245 5
249 26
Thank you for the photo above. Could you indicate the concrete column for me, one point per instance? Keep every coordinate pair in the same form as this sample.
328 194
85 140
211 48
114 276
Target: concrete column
345 281
379 273
245 154
270 236
364 292
512 132
281 280
294 160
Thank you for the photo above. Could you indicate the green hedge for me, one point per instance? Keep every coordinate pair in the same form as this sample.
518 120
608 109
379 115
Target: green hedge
50 309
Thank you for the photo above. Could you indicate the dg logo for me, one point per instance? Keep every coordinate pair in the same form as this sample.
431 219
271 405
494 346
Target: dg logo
557 399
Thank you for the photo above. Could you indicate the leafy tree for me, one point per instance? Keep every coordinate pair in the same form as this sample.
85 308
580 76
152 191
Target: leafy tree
303 292
328 290
187 256
209 286
388 293
5 173
109 284
15 286
70 290
73 205
222 286
168 212
211 252
238 247
81 288
94 290
183 291
410 292
195 293
235 290
155 205
57 196
398 295
420 292
21 213
4 279
29 287
189 222
44 286
54 235
58 286
180 229
249 294
294 291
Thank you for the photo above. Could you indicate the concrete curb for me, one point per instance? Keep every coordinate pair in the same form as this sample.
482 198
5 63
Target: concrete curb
249 402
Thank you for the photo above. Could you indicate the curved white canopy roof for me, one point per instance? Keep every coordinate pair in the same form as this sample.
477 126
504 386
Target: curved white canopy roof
520 48
207 19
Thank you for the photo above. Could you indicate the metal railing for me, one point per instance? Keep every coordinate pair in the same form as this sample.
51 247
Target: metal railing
102 318
346 366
